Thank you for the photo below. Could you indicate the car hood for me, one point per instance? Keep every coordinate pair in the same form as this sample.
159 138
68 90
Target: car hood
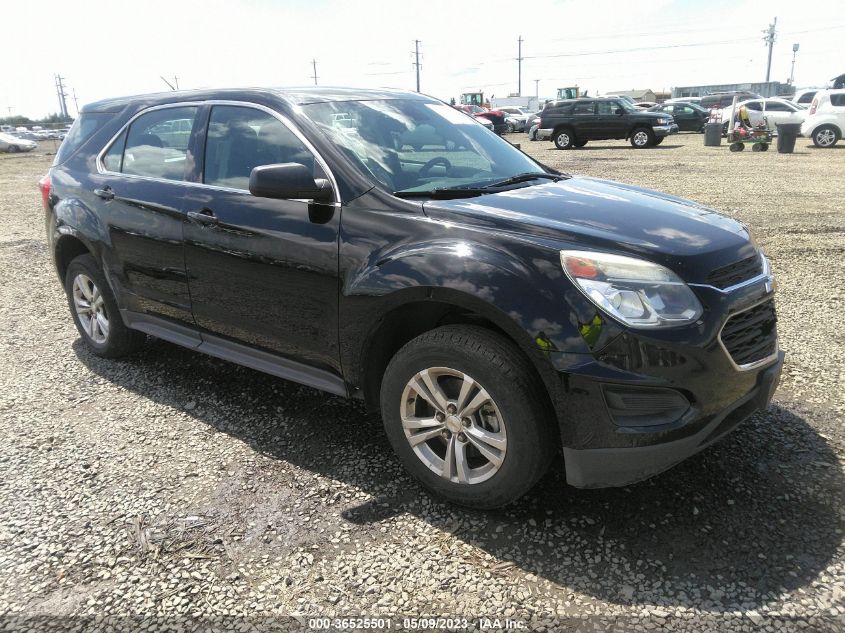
594 214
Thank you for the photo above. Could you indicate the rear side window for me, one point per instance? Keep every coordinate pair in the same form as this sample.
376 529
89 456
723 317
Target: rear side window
241 138
85 126
155 146
837 99
583 109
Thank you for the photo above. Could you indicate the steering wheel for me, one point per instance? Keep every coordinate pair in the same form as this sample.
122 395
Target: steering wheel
439 160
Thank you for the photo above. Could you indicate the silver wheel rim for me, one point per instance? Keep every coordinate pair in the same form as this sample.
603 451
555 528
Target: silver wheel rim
825 137
640 138
453 425
563 139
90 308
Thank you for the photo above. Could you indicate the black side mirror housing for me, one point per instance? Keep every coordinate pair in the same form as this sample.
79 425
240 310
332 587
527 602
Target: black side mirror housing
620 111
291 181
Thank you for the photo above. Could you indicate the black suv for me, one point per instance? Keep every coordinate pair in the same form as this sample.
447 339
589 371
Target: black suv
494 310
572 122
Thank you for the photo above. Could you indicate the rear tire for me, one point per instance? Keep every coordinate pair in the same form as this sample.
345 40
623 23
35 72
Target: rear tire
564 139
641 138
514 417
95 312
13 149
825 136
579 144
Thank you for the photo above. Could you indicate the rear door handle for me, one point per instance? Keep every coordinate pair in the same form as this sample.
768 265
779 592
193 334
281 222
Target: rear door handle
105 193
204 216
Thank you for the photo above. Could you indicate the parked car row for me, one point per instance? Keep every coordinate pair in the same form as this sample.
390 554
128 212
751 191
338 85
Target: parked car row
12 144
574 122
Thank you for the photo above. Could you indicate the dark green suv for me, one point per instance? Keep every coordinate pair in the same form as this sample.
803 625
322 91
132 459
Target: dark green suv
572 122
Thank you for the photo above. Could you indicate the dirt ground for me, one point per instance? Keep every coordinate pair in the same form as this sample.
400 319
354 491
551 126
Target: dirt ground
173 488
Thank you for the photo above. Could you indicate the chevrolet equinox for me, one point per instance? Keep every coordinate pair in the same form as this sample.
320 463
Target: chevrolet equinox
382 245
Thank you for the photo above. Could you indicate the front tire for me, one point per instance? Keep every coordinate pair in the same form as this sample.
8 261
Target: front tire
579 144
642 138
564 139
463 412
825 136
13 149
95 312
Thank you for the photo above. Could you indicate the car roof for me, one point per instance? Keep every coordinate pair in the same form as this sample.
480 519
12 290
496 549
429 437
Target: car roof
293 95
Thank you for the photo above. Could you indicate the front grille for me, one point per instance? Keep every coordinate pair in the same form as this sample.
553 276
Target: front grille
736 273
751 335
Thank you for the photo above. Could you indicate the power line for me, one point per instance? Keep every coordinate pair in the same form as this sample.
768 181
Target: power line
639 48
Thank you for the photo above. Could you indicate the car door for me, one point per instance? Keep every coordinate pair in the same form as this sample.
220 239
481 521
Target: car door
687 119
584 121
609 123
263 272
139 190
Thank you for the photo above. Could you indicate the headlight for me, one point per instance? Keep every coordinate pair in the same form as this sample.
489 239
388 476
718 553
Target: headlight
638 293
661 121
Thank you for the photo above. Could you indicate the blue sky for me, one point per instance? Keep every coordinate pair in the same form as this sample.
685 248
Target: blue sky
111 48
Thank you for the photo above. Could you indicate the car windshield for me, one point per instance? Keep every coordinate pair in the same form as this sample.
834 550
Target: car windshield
416 146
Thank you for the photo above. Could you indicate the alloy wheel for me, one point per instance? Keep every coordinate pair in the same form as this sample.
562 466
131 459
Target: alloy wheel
641 138
90 308
825 137
453 425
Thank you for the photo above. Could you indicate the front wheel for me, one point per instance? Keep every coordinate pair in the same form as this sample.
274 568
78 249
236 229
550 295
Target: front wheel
95 312
825 136
564 139
13 149
658 141
579 144
463 412
642 137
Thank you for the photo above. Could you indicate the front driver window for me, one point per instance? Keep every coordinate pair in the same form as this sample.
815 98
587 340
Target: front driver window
242 138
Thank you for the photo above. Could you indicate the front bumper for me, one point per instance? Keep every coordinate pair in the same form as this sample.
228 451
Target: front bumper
665 130
608 467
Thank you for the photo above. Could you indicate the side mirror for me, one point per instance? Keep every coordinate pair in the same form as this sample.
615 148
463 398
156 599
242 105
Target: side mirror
288 181
620 111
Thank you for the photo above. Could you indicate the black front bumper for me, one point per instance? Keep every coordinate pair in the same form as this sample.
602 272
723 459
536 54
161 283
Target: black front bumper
619 466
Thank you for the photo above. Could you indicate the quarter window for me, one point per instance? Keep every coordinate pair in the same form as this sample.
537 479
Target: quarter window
242 138
837 99
155 146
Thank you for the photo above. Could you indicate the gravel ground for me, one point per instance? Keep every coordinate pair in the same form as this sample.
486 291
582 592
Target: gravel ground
175 489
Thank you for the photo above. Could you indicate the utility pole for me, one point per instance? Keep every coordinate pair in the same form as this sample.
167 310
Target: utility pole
769 39
537 91
417 61
792 72
314 65
169 85
60 91
176 81
75 102
519 65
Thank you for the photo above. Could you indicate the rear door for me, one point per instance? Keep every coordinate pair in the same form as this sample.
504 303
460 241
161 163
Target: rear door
140 187
584 121
263 272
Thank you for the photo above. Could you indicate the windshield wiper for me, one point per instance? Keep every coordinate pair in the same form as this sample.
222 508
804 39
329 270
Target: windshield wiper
443 193
469 192
513 180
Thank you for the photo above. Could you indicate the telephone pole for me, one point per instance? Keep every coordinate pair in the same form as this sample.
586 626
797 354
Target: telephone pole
417 61
75 102
60 91
314 64
537 90
519 65
792 72
769 39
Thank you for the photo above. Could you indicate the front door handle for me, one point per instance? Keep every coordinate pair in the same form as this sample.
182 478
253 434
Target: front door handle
105 193
204 216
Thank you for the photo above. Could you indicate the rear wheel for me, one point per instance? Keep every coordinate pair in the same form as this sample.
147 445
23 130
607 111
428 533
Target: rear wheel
13 149
579 144
737 147
825 136
465 416
564 139
95 312
642 137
